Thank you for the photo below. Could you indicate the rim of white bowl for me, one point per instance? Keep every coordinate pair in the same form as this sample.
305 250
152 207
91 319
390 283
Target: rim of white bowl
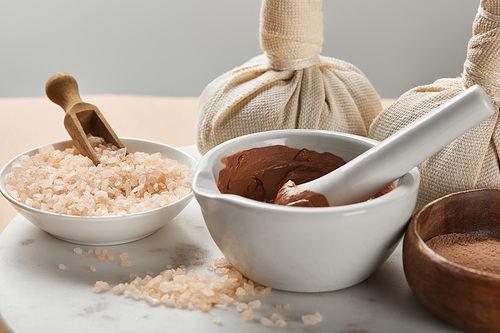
405 183
32 151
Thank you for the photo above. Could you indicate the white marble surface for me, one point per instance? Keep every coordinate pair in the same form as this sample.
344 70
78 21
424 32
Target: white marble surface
35 296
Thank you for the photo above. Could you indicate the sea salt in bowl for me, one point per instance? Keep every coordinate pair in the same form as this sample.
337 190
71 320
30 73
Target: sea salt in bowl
105 230
298 248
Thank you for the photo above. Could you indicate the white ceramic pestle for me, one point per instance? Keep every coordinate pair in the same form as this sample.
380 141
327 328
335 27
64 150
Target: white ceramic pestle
368 173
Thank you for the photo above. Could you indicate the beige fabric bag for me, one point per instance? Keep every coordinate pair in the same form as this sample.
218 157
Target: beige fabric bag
289 86
471 161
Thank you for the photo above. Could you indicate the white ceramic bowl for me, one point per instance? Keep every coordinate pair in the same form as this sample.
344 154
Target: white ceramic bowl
297 248
106 230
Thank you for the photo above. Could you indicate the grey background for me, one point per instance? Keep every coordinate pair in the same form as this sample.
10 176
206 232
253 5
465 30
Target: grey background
175 48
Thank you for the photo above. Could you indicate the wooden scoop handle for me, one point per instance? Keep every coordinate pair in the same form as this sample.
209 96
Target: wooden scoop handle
62 89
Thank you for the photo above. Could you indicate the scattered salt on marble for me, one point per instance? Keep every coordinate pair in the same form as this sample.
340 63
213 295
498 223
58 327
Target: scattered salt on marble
186 289
180 288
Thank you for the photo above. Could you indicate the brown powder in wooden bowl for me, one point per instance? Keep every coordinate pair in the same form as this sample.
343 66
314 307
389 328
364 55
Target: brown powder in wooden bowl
477 252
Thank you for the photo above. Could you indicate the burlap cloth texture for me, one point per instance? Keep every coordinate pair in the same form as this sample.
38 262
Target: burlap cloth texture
472 160
289 86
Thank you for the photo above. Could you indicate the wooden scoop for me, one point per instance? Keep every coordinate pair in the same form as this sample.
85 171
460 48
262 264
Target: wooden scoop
81 118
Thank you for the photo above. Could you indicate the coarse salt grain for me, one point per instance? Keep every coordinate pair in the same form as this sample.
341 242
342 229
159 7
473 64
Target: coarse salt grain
241 293
66 182
275 317
62 267
276 320
100 287
77 250
312 319
126 263
119 289
266 321
248 314
254 304
280 323
240 307
222 262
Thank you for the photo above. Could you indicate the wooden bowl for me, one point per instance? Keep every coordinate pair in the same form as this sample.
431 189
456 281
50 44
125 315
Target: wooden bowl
464 297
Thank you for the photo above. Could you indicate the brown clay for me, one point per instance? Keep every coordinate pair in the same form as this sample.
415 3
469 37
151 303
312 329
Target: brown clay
259 173
291 195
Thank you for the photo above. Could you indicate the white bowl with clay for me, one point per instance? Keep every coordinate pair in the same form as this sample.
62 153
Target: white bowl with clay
105 230
328 248
300 248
